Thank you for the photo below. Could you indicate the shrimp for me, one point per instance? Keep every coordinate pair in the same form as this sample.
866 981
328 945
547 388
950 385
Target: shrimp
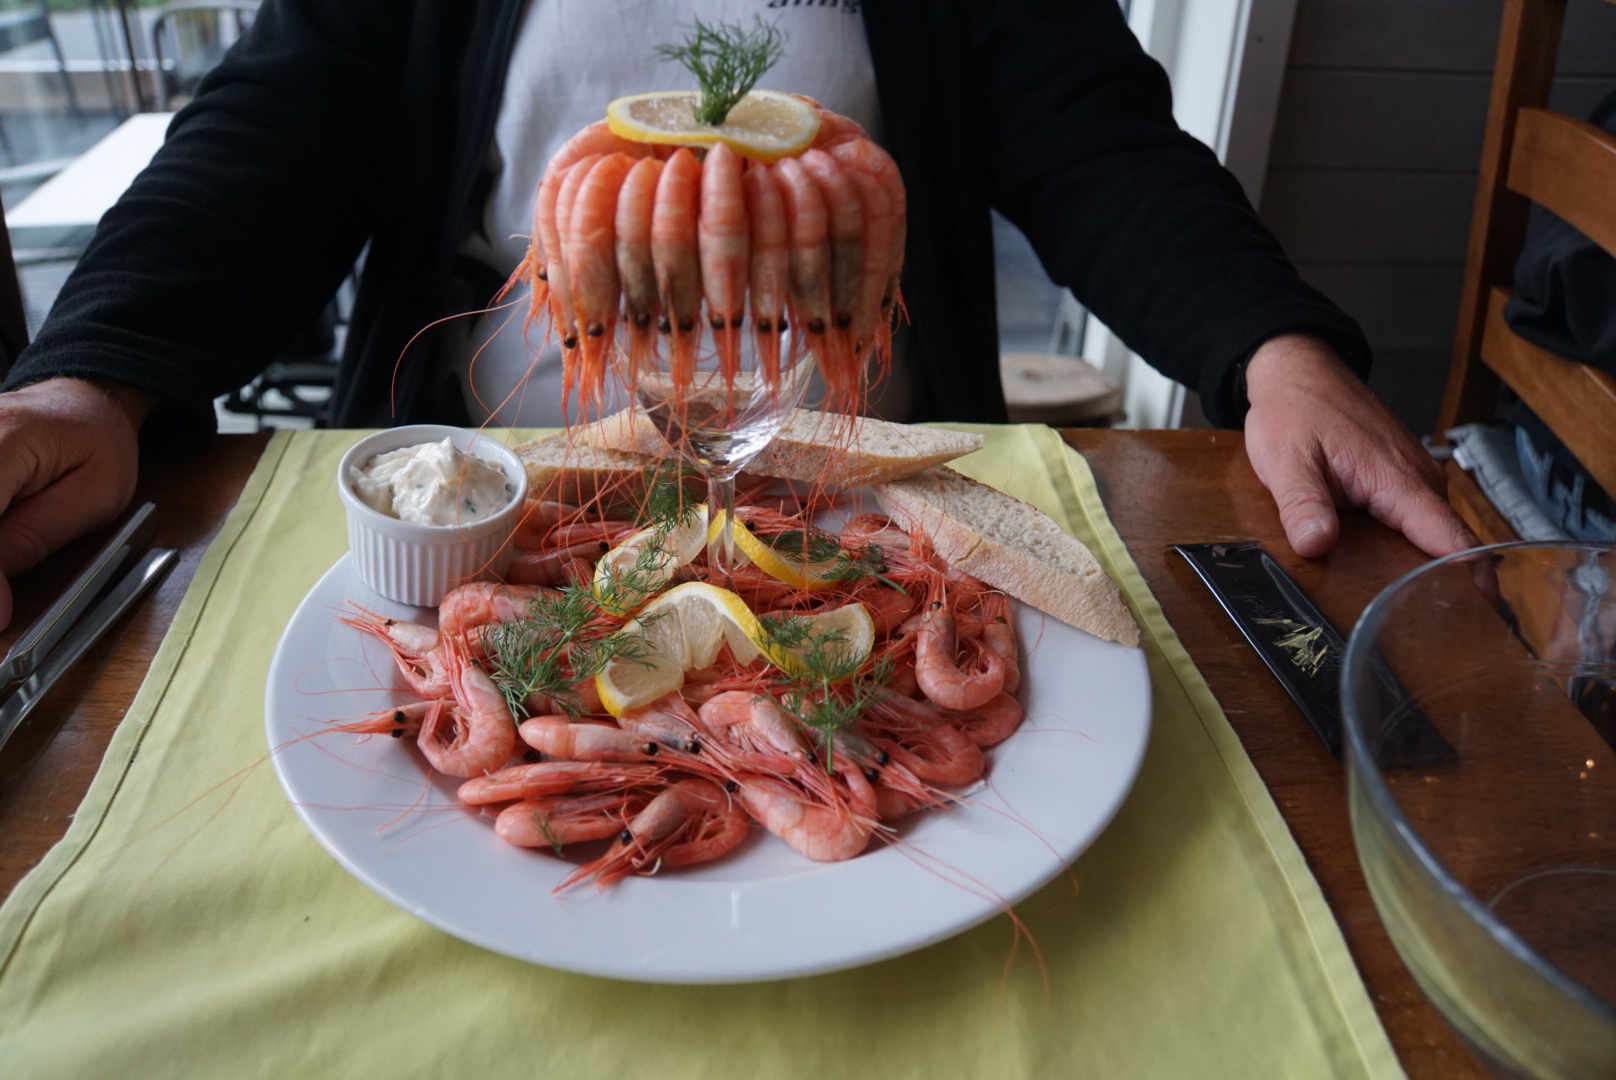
864 156
721 234
992 723
674 255
400 722
833 127
692 821
414 648
555 778
590 244
668 720
999 634
941 678
550 568
845 216
873 272
556 821
941 754
635 268
563 311
559 737
484 602
597 138
482 735
809 264
822 833
888 607
771 266
539 516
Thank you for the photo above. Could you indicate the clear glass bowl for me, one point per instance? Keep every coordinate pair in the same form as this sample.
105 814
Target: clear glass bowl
1480 725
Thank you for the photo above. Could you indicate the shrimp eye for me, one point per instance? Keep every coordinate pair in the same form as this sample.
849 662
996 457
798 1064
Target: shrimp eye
664 325
642 319
594 329
783 325
886 301
843 321
570 341
542 275
935 604
882 758
397 733
686 325
626 837
811 756
533 755
872 776
731 786
651 749
816 326
718 322
763 326
398 716
693 746
737 319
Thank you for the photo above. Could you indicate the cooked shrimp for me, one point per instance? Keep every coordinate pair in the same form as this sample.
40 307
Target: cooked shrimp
999 634
678 267
635 268
822 833
810 265
559 737
481 735
597 138
402 721
668 720
590 244
722 243
771 266
692 821
941 678
484 602
539 516
994 722
414 648
845 217
868 158
556 821
554 778
867 310
550 568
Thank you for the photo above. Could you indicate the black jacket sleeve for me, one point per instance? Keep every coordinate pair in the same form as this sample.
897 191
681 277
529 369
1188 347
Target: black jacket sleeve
1050 111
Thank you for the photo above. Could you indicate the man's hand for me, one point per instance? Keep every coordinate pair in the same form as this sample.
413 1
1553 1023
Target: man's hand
1318 439
67 465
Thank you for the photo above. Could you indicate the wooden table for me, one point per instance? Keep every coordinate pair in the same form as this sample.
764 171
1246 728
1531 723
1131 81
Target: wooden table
1160 487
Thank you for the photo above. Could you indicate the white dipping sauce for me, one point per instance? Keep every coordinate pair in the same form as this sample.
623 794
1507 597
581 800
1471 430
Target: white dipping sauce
431 484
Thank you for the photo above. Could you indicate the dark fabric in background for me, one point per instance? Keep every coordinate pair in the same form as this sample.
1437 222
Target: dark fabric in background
1565 301
336 123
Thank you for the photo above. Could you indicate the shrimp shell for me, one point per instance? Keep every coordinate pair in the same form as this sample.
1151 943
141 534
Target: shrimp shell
771 266
678 268
721 232
591 255
635 268
809 265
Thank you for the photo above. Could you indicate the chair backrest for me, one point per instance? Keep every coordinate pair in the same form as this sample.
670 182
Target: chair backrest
188 39
1531 155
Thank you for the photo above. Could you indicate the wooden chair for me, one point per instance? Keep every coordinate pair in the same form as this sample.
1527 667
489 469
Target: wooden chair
1530 155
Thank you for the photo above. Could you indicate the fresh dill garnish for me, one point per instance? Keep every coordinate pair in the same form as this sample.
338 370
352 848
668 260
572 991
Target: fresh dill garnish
727 60
827 694
541 822
664 499
847 563
564 639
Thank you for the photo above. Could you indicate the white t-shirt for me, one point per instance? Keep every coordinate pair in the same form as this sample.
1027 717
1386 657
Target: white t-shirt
572 57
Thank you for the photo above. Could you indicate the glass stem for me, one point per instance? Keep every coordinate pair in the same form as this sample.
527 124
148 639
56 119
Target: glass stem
721 501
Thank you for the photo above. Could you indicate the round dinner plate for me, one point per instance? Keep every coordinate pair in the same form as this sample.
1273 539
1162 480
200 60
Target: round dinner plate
762 912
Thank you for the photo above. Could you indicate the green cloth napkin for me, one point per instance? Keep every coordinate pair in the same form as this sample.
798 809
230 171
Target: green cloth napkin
188 924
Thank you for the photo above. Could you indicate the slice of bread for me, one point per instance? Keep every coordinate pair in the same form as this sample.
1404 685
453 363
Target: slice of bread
1011 546
813 446
559 467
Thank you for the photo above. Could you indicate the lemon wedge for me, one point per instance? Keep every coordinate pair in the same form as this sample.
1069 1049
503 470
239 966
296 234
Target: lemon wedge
782 564
623 581
681 630
765 125
847 651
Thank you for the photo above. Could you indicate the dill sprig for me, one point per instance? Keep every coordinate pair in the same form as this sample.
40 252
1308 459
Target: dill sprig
827 694
665 499
847 563
727 60
563 640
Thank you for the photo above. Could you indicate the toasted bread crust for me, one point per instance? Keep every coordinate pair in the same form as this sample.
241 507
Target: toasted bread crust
1013 546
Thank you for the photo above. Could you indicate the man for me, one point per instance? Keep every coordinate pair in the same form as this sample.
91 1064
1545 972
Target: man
408 131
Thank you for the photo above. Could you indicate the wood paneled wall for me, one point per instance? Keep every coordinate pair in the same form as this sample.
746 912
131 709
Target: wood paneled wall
1373 168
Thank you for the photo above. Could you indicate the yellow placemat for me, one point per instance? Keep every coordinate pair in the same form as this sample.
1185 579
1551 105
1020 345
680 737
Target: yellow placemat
188 925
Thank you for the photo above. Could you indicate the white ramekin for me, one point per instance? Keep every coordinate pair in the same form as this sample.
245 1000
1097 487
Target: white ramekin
418 564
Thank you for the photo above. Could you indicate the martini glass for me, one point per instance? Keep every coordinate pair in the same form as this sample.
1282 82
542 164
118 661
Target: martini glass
720 423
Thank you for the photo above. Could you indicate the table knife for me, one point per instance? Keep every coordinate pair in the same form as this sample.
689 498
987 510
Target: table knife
129 588
38 640
1302 648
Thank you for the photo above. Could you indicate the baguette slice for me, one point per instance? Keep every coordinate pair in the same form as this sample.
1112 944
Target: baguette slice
813 446
562 468
1011 546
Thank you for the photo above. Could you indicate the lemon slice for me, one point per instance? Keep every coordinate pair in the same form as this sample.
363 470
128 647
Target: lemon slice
765 125
847 651
625 576
681 630
784 565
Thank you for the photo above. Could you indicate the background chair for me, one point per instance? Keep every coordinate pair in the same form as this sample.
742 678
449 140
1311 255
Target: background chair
1531 155
190 38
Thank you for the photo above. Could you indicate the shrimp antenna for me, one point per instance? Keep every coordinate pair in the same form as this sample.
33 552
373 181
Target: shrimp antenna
727 60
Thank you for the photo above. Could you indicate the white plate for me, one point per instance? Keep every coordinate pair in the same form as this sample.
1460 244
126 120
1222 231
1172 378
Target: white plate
762 912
